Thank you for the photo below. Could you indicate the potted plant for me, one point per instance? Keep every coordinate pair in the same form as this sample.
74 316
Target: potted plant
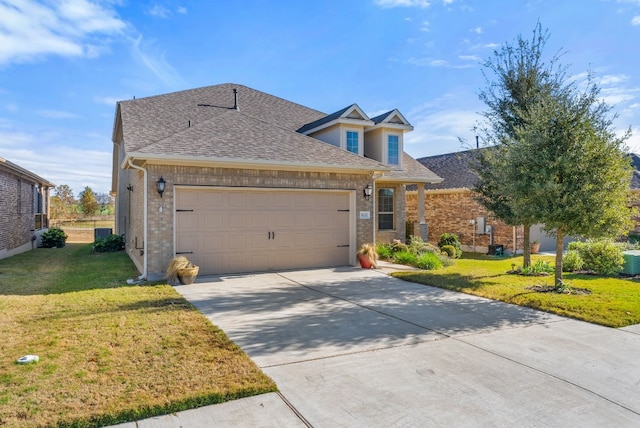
535 247
367 256
181 271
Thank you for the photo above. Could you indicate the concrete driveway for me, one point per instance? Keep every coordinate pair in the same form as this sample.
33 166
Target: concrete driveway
356 348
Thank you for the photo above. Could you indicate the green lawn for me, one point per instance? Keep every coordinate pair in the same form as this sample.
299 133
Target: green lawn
109 352
613 302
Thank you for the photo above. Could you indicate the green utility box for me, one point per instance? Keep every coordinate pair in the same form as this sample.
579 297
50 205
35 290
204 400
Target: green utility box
631 262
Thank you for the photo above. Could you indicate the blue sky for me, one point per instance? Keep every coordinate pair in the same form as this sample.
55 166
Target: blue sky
65 63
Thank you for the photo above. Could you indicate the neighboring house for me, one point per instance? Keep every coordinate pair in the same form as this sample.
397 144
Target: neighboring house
24 208
450 207
253 182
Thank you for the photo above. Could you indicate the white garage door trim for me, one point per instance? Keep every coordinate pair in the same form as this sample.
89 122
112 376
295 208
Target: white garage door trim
350 193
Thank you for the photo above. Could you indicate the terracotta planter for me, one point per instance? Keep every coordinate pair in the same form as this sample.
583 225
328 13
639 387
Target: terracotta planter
365 262
535 248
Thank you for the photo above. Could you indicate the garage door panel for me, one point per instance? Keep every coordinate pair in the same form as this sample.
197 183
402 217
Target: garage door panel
252 230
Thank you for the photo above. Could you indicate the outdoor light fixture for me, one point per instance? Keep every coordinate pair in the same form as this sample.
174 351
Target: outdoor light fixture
161 184
368 191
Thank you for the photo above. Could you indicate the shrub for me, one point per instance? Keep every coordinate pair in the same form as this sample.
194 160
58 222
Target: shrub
405 258
384 251
54 238
110 244
397 246
428 261
450 250
540 267
417 246
451 239
572 261
601 257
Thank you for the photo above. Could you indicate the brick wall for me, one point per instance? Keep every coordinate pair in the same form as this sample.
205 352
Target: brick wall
452 211
161 223
17 217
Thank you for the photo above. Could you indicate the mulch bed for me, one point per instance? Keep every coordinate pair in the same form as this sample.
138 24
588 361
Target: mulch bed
558 290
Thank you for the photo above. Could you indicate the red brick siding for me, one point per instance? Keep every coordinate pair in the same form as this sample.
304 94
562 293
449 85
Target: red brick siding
16 211
451 212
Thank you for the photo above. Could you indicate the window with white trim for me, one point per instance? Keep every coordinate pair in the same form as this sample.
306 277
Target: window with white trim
393 150
352 141
385 209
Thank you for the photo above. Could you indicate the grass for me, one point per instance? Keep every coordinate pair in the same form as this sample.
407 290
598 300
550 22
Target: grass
109 352
614 301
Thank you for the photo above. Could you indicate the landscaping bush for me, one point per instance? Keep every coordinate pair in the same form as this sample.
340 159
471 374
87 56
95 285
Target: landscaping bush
602 257
417 246
398 247
450 250
384 251
451 239
405 258
110 244
538 268
572 261
54 238
428 261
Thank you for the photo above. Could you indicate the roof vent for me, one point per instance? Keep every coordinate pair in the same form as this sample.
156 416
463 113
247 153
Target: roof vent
235 99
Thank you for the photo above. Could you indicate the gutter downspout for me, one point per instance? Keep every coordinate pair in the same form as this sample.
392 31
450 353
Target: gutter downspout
145 209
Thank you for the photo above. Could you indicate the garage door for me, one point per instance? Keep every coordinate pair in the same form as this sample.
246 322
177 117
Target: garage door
230 231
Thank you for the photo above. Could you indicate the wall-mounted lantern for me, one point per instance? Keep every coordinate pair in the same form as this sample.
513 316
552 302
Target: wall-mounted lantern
161 184
368 191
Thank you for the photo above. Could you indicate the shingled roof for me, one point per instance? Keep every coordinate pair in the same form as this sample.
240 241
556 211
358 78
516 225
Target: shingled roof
211 125
454 168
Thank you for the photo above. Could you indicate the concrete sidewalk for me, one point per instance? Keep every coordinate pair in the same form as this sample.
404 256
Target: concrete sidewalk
353 347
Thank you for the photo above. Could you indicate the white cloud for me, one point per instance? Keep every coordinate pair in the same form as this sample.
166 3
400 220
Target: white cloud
635 20
477 30
182 10
30 30
147 54
57 114
425 26
402 3
159 11
470 58
61 164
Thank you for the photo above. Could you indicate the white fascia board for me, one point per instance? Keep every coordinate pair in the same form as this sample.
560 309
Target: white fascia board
340 120
386 125
155 159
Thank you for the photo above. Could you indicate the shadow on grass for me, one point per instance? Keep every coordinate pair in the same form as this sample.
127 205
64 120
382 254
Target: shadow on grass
73 268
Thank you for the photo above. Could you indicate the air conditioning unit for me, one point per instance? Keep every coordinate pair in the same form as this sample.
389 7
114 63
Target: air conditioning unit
631 262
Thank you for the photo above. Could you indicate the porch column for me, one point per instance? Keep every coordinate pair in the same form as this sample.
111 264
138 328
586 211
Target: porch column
422 222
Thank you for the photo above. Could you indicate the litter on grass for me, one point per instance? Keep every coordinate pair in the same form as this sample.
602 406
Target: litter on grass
28 359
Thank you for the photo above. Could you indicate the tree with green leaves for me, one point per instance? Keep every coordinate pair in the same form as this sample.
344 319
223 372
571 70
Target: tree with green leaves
88 203
569 169
517 77
62 202
555 158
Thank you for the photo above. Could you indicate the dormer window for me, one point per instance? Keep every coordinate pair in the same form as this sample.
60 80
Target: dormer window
352 142
393 150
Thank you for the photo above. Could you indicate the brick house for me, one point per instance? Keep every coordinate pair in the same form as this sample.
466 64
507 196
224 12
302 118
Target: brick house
24 208
450 207
253 182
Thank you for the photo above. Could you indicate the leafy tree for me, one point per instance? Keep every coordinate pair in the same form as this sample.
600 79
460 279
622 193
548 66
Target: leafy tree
570 170
62 202
105 202
556 159
517 77
88 203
